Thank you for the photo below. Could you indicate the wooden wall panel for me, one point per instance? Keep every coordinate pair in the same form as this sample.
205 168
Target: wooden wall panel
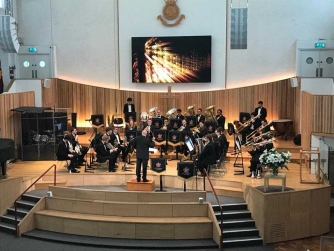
306 119
279 98
323 110
10 124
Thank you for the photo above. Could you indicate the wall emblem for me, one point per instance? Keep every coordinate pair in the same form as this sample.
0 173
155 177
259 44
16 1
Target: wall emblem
170 12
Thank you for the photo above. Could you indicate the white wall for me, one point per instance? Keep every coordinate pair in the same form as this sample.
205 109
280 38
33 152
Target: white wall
318 86
85 34
274 26
203 17
83 31
26 85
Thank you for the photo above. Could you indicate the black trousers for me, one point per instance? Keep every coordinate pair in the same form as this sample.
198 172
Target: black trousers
139 163
73 162
83 151
124 150
112 160
254 162
3 166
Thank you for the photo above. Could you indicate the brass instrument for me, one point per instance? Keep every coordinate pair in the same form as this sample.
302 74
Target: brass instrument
252 135
181 128
263 143
164 127
210 114
110 146
190 110
249 143
77 148
171 113
152 110
247 123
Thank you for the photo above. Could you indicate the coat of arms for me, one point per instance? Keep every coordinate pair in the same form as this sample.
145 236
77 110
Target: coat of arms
170 12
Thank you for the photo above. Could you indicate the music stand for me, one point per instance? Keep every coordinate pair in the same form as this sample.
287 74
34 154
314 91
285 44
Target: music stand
160 139
211 125
191 121
175 139
238 147
158 165
157 123
185 171
130 115
175 123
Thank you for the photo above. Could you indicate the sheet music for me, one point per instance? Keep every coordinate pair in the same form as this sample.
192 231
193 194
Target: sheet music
154 150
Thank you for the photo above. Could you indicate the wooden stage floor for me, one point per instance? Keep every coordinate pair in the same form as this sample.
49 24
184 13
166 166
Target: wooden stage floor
32 169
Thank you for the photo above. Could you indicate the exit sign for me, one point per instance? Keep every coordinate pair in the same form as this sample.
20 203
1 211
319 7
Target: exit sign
319 45
32 49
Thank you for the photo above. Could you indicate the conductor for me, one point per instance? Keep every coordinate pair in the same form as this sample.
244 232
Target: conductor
142 145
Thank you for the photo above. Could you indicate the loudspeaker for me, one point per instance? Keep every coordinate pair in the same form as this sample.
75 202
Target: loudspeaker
294 82
74 120
47 83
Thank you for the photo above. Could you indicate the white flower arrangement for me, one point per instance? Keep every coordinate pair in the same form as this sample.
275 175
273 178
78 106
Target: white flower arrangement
274 160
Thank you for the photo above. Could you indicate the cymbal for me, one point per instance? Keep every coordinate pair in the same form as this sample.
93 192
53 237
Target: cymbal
48 131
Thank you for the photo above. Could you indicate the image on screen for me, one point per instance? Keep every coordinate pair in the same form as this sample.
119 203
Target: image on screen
171 59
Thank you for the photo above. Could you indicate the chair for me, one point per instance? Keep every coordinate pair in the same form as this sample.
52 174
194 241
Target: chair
60 163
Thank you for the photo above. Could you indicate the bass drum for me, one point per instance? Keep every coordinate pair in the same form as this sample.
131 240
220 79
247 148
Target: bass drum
143 116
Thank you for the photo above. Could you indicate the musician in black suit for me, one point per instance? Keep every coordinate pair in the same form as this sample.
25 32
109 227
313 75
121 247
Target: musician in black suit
159 116
75 142
255 160
64 153
223 143
202 130
129 106
142 144
220 119
131 126
260 110
179 114
207 156
199 116
265 126
104 153
149 128
115 140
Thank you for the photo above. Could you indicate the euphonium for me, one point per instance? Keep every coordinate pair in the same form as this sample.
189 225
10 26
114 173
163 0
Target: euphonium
210 113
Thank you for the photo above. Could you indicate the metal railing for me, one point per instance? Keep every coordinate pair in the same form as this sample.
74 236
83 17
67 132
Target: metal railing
220 207
15 202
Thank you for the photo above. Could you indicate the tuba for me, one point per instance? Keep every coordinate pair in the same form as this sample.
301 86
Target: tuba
210 113
171 113
190 110
152 110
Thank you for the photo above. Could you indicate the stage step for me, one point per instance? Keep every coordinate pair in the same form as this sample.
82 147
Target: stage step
125 227
7 221
229 191
112 243
44 184
238 226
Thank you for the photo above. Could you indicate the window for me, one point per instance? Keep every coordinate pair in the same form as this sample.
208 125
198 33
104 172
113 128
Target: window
2 4
26 64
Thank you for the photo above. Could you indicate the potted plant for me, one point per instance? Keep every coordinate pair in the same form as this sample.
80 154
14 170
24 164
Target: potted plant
275 160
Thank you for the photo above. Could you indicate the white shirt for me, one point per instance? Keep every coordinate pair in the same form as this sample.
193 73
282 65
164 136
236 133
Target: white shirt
117 138
259 111
198 118
129 108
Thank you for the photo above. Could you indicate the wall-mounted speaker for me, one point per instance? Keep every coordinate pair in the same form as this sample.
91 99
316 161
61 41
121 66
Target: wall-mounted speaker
294 82
47 83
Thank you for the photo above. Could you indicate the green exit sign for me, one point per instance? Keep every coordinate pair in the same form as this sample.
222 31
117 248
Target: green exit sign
32 49
319 45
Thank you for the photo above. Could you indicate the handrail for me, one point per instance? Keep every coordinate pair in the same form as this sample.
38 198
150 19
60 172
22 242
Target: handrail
15 205
220 207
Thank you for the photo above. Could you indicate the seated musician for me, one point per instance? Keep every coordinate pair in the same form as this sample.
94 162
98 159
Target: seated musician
159 116
115 140
166 125
199 115
184 129
104 153
223 143
244 131
149 128
257 152
75 142
265 126
189 147
202 131
220 119
215 141
179 114
63 153
207 156
131 126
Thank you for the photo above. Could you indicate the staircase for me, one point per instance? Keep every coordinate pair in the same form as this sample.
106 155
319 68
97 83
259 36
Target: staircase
7 221
238 226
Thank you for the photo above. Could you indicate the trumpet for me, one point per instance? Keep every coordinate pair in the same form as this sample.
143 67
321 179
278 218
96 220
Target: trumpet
164 127
247 123
252 135
181 128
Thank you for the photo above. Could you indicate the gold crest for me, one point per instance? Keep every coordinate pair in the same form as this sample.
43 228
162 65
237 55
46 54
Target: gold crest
170 12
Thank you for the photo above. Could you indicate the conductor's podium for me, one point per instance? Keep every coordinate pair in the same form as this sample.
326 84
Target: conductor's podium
133 185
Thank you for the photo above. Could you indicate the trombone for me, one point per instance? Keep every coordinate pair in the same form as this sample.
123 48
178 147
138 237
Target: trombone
244 125
251 142
252 135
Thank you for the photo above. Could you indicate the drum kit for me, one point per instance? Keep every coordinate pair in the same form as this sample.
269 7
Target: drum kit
42 139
